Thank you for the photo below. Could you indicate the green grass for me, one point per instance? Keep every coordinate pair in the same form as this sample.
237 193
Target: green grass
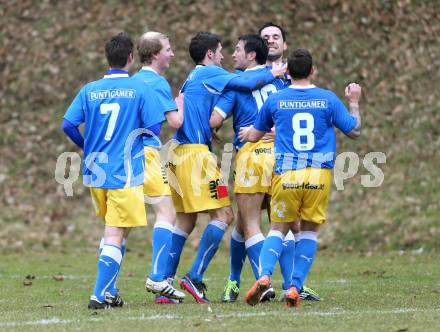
393 292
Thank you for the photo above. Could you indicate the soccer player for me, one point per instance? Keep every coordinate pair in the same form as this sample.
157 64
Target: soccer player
155 54
275 37
254 161
115 110
198 185
305 147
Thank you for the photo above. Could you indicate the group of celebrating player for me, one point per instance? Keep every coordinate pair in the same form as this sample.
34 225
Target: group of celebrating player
285 150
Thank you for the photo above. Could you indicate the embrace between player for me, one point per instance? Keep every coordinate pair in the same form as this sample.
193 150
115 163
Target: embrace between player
145 101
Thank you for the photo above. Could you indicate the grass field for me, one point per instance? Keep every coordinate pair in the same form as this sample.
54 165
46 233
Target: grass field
393 292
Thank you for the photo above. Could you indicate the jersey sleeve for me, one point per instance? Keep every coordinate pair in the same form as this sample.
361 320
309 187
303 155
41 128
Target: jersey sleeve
217 79
264 120
341 118
149 109
248 83
165 97
75 114
225 103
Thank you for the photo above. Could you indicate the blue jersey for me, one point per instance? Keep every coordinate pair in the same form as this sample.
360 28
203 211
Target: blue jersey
164 96
199 100
113 108
304 118
201 91
244 106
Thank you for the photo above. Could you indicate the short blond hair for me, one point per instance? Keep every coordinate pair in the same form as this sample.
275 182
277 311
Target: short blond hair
149 44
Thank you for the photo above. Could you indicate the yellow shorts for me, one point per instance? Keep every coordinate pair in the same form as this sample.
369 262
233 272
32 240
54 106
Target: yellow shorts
253 171
155 178
120 207
195 179
301 193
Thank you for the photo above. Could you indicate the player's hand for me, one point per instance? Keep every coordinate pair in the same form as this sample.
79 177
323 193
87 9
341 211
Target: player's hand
353 93
269 137
242 133
179 101
278 69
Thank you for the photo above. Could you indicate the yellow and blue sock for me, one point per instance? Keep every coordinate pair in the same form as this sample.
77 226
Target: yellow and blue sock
178 240
208 246
238 255
162 236
271 251
304 256
108 267
253 250
287 259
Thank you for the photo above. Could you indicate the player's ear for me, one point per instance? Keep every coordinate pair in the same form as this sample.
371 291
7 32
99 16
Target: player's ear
251 55
284 46
313 72
130 59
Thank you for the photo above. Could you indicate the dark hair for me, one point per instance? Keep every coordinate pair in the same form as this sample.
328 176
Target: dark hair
254 43
299 63
270 24
117 50
201 43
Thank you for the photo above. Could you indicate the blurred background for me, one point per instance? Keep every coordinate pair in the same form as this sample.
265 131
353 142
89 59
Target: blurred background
49 49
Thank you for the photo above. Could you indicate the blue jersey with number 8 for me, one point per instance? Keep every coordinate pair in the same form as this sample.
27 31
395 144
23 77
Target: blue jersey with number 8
304 118
112 109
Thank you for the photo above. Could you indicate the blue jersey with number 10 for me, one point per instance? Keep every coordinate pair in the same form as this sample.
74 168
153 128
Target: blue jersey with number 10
304 118
244 106
113 108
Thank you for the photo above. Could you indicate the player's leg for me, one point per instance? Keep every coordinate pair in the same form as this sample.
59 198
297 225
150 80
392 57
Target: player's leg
270 253
287 257
237 258
162 237
284 211
108 266
185 223
248 205
208 246
305 252
313 214
120 209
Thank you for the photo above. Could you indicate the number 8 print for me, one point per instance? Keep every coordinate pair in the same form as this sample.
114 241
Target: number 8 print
299 132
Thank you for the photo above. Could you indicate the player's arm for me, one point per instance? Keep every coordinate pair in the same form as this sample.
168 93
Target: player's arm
353 93
73 117
349 122
245 83
222 109
250 134
73 133
175 118
216 119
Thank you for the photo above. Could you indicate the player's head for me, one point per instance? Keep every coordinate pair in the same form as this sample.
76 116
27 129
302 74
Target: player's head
206 47
300 64
155 47
275 37
119 51
250 48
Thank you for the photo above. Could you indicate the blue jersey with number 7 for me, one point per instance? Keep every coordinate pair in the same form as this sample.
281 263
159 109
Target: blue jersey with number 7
304 118
112 110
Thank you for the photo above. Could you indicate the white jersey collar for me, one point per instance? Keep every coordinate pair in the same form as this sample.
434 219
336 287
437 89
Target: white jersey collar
255 68
115 75
149 68
302 87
